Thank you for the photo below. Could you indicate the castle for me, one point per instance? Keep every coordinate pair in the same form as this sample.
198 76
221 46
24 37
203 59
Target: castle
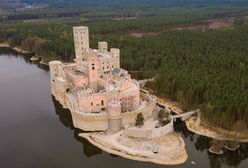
99 94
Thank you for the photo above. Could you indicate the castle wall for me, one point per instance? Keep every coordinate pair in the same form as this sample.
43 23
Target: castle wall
102 84
149 133
130 100
90 122
99 122
129 117
124 85
93 103
78 81
58 90
80 86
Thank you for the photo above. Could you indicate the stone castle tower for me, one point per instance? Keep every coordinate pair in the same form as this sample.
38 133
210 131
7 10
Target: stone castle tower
114 116
81 41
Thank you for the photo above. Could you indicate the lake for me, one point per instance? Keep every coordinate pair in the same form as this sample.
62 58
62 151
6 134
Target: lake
35 131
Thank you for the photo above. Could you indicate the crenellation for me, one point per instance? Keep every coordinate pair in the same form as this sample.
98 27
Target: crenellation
102 47
95 84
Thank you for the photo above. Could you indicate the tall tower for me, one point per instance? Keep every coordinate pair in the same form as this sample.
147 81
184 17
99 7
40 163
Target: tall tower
116 54
81 41
114 116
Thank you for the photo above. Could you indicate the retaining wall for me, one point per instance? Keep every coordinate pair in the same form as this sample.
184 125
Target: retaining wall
149 133
99 121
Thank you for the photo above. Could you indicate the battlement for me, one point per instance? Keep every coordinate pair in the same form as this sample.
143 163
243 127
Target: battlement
95 83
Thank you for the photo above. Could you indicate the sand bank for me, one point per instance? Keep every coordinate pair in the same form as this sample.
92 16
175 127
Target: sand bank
166 150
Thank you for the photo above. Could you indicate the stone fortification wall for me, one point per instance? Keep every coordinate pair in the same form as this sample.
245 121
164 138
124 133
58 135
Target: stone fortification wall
99 122
129 117
90 122
58 90
149 133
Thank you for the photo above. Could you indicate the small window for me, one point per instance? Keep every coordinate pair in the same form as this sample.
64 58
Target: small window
102 103
91 103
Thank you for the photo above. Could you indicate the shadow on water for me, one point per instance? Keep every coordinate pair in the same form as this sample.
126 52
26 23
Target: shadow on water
203 143
200 143
196 146
66 118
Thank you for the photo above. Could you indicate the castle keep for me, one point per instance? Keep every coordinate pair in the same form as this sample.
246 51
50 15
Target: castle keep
99 94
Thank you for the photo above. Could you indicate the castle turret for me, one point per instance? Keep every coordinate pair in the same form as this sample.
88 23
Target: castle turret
93 69
116 55
81 41
55 69
103 46
59 84
114 116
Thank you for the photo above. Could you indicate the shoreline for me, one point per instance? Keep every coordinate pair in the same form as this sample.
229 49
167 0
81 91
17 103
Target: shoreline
44 63
216 133
16 48
99 142
22 51
200 129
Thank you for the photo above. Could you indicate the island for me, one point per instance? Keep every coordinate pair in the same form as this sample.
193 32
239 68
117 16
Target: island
107 103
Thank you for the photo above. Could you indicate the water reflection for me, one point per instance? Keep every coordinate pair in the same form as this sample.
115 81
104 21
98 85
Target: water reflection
202 143
66 118
35 112
8 51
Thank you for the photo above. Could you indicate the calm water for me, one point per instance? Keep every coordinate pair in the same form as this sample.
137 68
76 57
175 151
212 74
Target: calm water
35 131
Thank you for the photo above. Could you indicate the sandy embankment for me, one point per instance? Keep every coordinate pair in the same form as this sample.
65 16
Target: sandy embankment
206 129
4 45
171 148
44 63
19 50
216 132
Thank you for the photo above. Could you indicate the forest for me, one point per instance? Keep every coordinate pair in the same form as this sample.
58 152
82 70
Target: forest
198 69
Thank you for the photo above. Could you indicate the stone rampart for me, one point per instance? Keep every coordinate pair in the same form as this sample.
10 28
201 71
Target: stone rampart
99 121
89 121
149 133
